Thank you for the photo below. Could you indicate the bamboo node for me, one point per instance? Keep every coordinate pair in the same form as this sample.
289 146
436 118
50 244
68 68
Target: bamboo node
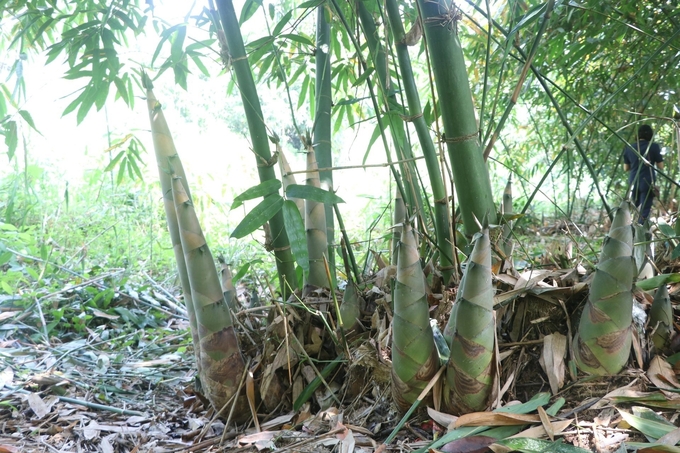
462 138
411 118
280 249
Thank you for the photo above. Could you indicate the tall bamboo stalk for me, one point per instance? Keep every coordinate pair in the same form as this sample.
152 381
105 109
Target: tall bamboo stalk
413 196
315 225
322 123
461 132
441 202
285 263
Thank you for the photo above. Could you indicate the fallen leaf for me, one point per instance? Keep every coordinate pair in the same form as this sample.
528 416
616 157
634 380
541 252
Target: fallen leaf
471 444
38 406
443 419
495 419
538 432
661 373
671 438
545 422
552 360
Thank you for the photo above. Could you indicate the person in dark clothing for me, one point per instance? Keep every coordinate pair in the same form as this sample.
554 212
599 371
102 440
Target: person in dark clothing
641 174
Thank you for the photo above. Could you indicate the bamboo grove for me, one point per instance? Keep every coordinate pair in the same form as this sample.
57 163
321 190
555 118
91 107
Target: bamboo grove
448 221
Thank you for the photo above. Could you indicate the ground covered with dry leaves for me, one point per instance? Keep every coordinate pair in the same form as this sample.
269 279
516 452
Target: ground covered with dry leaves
121 379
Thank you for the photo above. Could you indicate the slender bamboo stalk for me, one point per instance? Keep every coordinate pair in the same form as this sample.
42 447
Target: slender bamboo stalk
413 192
285 262
441 204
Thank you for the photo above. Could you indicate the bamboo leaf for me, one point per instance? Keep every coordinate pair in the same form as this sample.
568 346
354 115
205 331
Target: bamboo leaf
248 10
11 138
282 23
312 193
655 282
298 38
28 118
260 190
526 445
295 228
651 428
258 216
529 17
316 382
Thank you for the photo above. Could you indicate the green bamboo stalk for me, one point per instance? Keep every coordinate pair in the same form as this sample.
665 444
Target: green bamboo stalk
660 323
221 363
470 333
168 161
441 203
322 124
315 225
602 343
413 192
470 174
285 263
414 355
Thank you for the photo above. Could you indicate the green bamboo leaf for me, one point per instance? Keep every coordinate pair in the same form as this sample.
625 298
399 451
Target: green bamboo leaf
258 216
28 118
282 23
245 268
11 138
312 193
89 97
260 190
311 4
651 428
177 43
655 282
298 38
248 10
526 445
533 14
295 228
316 382
362 79
115 161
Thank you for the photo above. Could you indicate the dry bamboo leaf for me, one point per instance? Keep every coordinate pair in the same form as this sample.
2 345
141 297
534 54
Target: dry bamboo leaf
545 422
250 394
495 419
471 444
442 418
671 438
662 375
539 432
39 407
552 360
